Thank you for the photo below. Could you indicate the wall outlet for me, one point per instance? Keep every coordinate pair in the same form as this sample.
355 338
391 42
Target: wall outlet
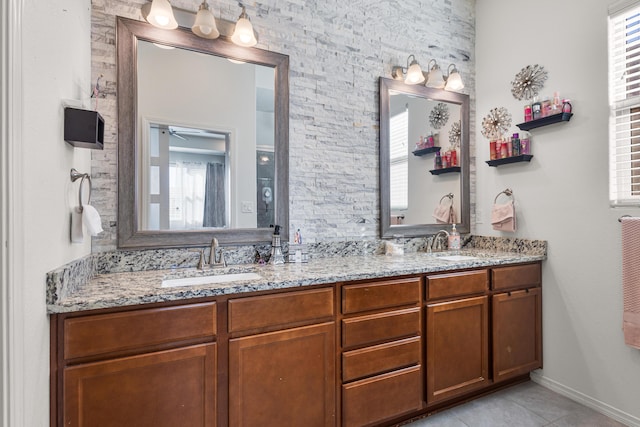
246 207
479 216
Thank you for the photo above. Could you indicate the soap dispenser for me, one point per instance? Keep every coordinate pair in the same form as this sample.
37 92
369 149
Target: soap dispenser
454 239
276 248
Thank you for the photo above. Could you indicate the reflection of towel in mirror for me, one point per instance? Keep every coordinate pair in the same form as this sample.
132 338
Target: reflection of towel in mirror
503 217
444 214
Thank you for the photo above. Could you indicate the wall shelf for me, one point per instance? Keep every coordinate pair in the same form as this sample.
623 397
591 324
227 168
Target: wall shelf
445 170
423 151
549 120
512 159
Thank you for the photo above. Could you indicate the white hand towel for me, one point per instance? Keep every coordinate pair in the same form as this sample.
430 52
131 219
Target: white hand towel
76 226
91 220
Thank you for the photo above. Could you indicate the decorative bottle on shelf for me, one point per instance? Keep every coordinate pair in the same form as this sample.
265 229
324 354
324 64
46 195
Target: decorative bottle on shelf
525 143
536 109
438 161
515 144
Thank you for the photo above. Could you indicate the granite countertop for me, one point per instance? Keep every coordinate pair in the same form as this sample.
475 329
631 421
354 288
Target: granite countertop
140 287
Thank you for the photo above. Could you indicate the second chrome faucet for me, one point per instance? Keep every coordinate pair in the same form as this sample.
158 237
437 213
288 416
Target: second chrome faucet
213 263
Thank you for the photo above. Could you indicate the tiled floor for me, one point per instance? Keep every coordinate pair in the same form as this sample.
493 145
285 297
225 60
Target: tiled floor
523 405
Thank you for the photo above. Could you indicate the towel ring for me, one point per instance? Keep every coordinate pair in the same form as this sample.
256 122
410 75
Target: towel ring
75 175
508 192
624 216
450 196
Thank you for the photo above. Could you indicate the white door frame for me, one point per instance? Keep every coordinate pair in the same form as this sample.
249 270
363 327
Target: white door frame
12 369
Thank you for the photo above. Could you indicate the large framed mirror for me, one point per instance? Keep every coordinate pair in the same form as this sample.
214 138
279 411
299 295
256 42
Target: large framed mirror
409 191
203 128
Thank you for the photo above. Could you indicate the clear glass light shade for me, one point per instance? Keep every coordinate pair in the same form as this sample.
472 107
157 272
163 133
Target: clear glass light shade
243 34
161 15
454 81
205 24
414 74
435 78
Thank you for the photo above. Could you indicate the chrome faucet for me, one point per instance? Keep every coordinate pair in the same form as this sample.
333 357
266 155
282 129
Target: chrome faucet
435 239
212 257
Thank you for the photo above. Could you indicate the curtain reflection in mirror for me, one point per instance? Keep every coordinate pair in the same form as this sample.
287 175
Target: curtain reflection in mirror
399 162
214 211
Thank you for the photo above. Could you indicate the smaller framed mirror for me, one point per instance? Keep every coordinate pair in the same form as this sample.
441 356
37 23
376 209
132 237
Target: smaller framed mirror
411 188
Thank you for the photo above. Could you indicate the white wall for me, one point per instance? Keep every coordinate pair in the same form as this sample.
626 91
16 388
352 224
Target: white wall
561 195
56 66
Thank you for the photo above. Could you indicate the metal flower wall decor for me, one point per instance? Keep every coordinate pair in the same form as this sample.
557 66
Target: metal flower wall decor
439 116
528 82
455 134
496 123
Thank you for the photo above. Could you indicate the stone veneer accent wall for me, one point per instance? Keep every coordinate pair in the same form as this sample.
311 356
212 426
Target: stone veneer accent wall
337 51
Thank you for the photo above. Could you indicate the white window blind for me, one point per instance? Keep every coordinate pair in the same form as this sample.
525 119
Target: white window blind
624 102
399 162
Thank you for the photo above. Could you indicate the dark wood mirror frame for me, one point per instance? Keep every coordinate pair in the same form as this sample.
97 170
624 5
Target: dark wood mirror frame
417 230
129 235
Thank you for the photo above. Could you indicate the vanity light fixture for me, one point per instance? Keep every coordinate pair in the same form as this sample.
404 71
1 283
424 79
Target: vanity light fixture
414 72
454 81
243 34
435 79
205 25
160 14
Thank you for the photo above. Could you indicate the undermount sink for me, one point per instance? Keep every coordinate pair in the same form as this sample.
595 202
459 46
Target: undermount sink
458 257
210 280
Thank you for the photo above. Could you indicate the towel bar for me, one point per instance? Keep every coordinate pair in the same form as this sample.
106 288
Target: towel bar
75 175
625 216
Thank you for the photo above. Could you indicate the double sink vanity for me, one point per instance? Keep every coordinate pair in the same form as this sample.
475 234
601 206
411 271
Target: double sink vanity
344 340
339 341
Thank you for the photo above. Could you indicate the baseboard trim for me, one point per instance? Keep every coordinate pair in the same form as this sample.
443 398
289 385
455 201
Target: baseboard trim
585 400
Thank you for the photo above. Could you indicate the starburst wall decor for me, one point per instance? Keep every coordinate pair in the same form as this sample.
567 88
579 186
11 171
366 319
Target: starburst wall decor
455 134
439 116
496 123
528 82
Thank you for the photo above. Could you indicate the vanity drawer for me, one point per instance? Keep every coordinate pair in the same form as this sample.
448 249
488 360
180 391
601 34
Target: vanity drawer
380 358
376 328
95 335
280 310
374 400
378 295
518 276
457 284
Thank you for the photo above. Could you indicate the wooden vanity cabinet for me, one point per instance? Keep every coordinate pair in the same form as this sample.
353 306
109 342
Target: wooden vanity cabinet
457 334
147 367
282 359
517 320
381 358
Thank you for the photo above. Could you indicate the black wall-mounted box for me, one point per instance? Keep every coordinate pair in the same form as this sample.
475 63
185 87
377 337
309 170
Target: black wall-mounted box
83 128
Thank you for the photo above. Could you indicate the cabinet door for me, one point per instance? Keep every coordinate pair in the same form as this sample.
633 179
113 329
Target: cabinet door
168 388
284 378
517 333
457 347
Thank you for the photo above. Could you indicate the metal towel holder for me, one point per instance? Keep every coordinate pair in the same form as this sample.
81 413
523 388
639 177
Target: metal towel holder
508 192
75 175
449 196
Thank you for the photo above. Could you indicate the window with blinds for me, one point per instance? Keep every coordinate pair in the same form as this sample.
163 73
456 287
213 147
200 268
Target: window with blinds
624 102
399 162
